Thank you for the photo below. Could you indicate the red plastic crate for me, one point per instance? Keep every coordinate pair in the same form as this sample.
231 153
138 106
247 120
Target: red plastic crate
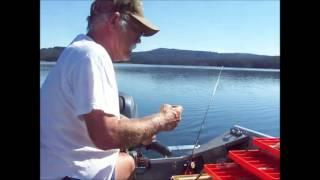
267 144
257 163
228 171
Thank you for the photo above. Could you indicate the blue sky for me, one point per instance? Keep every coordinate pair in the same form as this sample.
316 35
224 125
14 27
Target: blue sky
251 26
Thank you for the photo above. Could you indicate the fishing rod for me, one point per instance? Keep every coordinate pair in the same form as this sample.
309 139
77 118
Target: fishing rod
202 123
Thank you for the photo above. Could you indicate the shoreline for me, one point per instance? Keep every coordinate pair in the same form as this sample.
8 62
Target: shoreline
49 63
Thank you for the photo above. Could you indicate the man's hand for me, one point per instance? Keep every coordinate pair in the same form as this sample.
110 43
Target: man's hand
169 116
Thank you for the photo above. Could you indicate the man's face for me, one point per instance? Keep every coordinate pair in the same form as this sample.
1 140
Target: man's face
128 38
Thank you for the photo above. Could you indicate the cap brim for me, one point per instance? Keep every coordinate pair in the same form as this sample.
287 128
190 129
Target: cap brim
148 28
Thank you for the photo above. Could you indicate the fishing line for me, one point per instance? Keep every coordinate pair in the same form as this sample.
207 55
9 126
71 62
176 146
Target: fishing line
205 116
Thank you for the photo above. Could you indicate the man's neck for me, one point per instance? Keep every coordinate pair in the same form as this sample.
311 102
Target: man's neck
102 40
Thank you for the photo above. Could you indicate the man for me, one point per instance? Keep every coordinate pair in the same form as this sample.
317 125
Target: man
81 127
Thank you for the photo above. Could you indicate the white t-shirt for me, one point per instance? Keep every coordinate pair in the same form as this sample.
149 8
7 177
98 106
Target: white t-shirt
82 80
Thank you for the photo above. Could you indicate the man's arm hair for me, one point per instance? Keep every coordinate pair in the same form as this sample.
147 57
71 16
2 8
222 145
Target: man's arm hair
107 132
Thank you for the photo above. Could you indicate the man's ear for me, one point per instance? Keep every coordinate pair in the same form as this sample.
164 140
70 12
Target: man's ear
115 18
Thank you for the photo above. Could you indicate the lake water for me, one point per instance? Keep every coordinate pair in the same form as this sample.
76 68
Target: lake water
246 97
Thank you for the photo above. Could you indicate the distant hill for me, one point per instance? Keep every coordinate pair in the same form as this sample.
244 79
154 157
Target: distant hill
50 54
187 57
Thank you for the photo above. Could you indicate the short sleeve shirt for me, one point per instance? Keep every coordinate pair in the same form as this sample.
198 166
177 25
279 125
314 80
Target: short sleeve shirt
83 79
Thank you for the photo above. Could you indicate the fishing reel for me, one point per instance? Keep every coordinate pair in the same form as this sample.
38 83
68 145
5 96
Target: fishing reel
140 160
237 132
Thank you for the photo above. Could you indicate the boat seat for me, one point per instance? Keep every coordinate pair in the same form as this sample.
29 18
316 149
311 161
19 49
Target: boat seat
127 106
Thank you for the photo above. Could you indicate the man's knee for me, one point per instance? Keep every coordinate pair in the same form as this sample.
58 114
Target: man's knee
129 160
125 166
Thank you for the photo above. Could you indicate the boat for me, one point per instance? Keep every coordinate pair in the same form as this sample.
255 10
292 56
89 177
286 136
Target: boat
194 160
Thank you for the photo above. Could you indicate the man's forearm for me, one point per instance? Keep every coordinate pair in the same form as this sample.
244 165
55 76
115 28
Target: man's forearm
130 133
108 132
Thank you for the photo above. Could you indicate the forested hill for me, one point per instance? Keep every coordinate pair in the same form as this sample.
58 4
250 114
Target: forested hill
187 57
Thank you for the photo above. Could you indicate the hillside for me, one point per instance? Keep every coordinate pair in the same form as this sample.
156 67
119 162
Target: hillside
187 57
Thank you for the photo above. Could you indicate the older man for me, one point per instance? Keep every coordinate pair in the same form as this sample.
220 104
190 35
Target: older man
81 127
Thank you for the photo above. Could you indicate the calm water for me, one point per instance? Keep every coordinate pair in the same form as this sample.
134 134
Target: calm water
247 97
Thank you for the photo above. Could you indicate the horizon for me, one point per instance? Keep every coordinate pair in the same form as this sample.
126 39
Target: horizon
250 27
185 50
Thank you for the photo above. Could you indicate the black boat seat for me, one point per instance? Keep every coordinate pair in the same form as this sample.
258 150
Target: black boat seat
127 105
